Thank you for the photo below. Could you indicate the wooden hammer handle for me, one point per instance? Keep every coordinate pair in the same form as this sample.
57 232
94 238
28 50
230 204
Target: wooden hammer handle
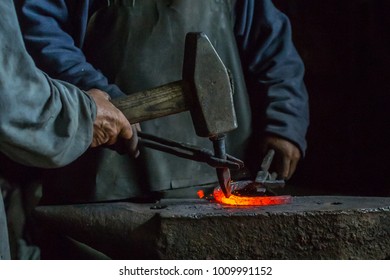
153 103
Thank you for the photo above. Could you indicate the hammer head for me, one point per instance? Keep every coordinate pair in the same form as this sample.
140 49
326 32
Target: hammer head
209 89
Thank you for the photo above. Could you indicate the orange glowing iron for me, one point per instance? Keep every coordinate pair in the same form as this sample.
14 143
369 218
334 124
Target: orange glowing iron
249 200
255 193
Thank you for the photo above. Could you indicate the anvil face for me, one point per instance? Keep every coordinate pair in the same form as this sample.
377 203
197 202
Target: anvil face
312 227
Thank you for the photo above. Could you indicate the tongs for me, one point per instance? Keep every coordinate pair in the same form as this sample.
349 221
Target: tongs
188 151
265 182
264 177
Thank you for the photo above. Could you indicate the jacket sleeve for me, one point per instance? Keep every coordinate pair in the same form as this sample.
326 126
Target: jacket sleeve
43 122
53 32
273 68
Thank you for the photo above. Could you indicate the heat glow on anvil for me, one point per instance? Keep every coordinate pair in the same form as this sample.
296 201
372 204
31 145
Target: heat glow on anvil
312 227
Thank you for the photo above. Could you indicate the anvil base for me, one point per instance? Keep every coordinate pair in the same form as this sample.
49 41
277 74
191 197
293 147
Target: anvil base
312 227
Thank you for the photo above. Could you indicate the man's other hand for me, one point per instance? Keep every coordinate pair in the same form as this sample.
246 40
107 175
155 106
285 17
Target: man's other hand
287 156
110 125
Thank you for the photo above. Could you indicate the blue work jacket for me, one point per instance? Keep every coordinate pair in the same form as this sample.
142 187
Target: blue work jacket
54 32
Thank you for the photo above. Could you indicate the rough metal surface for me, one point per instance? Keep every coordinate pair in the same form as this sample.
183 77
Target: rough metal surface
316 227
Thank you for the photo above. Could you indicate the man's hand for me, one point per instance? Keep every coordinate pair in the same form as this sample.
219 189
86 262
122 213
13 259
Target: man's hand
111 126
286 156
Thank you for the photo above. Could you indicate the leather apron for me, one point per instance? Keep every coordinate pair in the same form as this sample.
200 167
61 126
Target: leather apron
140 45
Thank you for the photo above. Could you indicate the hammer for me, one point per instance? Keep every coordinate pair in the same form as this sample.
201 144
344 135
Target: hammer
205 90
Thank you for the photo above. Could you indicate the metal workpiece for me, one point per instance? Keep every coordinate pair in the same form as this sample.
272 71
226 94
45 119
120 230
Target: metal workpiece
311 227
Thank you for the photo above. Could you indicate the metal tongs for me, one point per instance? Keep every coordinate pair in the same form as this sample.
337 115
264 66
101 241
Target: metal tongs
188 151
264 177
265 182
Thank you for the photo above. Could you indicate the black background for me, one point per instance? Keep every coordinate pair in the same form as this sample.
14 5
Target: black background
345 46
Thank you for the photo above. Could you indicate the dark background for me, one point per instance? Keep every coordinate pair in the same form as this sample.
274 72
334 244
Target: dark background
345 47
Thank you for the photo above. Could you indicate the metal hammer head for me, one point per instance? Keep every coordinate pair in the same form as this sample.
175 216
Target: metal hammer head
209 87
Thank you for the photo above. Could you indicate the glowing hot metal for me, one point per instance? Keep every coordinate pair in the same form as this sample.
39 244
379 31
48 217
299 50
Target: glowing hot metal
239 200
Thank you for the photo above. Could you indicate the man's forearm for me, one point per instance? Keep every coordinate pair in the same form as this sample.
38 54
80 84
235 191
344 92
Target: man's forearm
43 122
